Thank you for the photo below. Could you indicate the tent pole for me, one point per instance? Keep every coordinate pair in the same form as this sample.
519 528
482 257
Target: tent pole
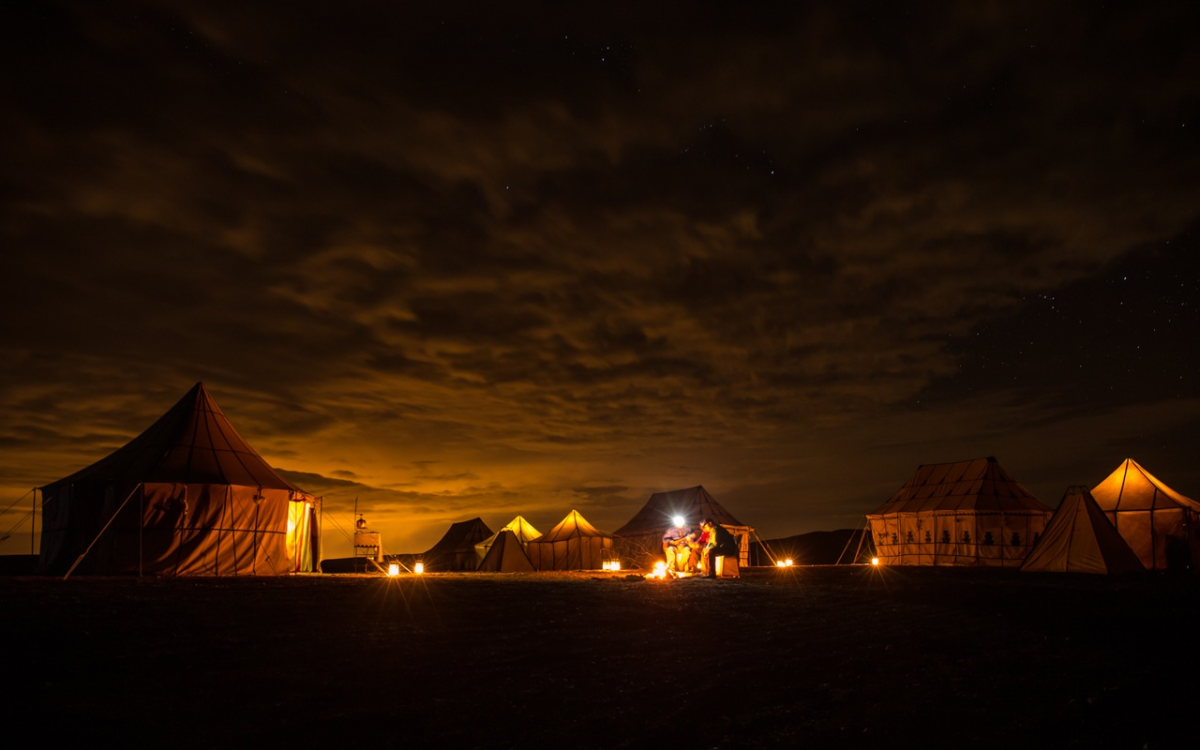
33 524
93 544
762 543
141 528
845 547
862 536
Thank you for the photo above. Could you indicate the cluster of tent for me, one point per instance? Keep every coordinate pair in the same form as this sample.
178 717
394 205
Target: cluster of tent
575 544
975 513
189 496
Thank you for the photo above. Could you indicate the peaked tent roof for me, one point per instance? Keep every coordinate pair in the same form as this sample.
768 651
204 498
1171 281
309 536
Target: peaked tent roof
1157 522
463 535
523 529
506 555
1131 488
574 525
693 503
1080 539
193 443
574 544
979 485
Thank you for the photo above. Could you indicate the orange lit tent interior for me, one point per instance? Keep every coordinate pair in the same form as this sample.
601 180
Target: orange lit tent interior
1161 526
963 513
188 496
640 540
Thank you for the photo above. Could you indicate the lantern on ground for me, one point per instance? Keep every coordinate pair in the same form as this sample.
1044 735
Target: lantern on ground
419 568
394 569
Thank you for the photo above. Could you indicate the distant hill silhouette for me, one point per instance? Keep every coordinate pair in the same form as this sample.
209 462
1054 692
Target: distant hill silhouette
813 548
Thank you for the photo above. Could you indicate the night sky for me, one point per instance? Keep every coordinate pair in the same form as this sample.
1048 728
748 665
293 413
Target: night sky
499 258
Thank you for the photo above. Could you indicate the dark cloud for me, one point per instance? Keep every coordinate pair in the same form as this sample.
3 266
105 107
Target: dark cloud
458 261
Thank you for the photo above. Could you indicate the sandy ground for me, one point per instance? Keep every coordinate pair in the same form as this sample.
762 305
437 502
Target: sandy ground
818 657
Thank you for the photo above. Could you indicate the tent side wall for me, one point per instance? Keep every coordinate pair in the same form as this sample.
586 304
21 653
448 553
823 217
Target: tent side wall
969 538
573 553
170 529
72 516
1162 538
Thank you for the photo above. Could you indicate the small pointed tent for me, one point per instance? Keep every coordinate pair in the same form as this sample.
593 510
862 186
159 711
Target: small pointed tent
523 529
188 496
574 544
1080 539
456 549
640 540
506 554
1161 526
963 513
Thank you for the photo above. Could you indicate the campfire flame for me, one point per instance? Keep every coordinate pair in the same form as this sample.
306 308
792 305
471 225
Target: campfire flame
659 572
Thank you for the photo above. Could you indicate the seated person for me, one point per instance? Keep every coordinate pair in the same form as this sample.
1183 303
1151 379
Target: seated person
698 542
675 547
720 544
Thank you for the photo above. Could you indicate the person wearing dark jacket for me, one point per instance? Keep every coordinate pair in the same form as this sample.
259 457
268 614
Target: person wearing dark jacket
720 544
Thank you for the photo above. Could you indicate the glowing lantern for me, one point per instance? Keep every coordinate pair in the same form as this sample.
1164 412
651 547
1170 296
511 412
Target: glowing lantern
875 561
394 569
615 565
677 520
787 563
606 565
419 568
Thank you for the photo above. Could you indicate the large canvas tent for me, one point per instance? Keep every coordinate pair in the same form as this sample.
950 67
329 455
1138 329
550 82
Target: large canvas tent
1161 526
640 540
574 544
523 529
506 554
1080 539
188 496
456 549
963 513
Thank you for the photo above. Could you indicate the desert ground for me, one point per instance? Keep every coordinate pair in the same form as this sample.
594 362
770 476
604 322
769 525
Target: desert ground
819 657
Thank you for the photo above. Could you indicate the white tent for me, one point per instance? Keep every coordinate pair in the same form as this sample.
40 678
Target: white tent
506 554
523 529
1080 539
